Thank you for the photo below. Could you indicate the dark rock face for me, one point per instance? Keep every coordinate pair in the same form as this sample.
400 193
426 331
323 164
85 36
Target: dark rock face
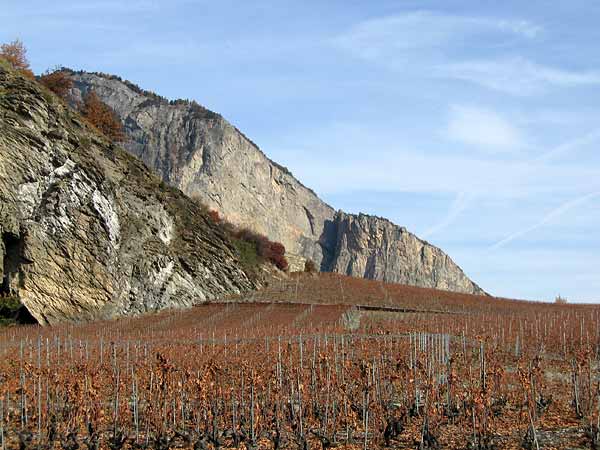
377 249
199 152
87 231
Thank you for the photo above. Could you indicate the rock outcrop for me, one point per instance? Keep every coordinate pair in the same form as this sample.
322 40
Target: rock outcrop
87 230
202 154
375 248
199 152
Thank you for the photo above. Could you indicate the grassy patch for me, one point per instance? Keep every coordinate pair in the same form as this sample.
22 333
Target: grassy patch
248 252
9 308
4 64
47 95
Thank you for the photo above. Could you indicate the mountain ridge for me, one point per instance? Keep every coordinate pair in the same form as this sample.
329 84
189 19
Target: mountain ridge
193 103
213 159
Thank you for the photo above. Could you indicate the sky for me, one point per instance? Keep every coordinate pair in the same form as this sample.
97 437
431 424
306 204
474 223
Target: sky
475 124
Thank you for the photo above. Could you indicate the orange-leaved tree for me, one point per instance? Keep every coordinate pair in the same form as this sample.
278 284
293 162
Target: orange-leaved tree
58 82
15 54
102 117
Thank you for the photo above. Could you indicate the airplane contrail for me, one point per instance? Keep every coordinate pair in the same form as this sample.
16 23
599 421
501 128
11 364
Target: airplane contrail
460 203
463 199
568 146
559 150
547 218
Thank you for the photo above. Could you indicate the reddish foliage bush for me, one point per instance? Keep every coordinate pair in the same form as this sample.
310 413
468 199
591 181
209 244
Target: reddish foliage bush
102 117
276 254
214 216
266 249
58 82
15 54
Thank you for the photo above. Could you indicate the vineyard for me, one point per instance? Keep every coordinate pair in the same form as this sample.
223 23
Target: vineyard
312 362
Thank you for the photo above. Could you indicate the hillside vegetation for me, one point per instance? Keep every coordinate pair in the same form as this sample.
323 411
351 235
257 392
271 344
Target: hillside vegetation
408 368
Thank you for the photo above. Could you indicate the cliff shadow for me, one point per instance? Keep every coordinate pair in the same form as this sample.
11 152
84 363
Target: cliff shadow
328 243
11 309
11 244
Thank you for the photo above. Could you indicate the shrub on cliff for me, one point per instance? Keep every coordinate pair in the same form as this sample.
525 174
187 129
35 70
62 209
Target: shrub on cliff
310 266
102 117
274 252
247 252
15 54
253 248
214 216
9 308
58 82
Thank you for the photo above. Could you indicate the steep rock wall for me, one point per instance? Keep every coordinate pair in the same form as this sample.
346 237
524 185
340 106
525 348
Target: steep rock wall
375 248
87 230
205 156
198 151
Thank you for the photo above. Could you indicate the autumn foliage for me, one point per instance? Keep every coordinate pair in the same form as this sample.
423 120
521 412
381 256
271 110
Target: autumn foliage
276 370
273 252
58 82
94 110
263 247
214 216
102 117
15 54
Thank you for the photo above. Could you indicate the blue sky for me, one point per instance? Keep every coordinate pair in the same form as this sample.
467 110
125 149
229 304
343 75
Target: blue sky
475 124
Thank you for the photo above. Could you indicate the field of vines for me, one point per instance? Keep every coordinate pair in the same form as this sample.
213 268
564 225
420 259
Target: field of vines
312 362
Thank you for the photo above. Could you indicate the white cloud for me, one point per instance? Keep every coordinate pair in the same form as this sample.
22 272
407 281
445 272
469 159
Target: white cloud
388 39
482 128
516 75
425 39
354 156
404 170
522 27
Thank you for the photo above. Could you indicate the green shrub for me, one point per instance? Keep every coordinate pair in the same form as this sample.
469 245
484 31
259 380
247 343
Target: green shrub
9 308
248 252
4 64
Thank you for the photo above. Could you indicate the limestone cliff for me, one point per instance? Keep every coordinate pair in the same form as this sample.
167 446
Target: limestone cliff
202 154
375 248
86 230
199 152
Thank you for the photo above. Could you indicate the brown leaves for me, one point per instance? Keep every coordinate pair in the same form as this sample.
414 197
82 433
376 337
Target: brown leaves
15 54
102 117
58 82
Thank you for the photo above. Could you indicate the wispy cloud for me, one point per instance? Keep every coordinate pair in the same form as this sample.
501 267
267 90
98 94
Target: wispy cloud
517 75
483 128
554 214
390 36
425 40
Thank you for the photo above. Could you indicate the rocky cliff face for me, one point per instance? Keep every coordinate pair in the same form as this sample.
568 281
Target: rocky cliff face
87 231
375 248
199 152
202 154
